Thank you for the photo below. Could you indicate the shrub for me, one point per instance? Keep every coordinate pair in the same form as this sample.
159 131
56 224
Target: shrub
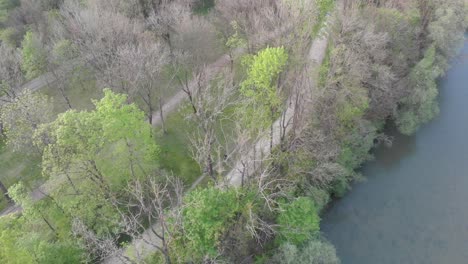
34 56
298 221
314 251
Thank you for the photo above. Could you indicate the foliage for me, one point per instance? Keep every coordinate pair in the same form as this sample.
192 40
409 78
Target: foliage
10 234
421 105
298 221
93 154
20 243
21 117
5 7
315 251
446 31
320 197
207 213
260 86
64 51
115 137
175 148
235 40
324 68
34 56
323 8
7 36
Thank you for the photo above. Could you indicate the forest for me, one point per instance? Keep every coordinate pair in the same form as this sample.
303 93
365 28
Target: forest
202 131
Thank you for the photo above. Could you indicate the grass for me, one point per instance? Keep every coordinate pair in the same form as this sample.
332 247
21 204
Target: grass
325 67
80 89
175 147
3 203
17 167
324 7
176 155
203 7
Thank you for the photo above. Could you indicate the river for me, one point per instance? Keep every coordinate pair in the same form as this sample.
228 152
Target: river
413 205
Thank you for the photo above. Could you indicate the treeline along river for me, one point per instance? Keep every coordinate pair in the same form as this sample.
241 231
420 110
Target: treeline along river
413 205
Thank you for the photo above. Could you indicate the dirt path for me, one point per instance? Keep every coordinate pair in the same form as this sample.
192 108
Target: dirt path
173 103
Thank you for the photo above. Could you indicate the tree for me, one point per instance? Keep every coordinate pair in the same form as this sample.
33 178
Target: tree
149 203
206 214
298 221
93 154
167 17
34 56
25 241
10 234
138 67
11 77
63 57
97 34
268 21
421 105
22 116
209 100
446 30
262 88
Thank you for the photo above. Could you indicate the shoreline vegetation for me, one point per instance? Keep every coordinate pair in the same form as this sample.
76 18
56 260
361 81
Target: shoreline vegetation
107 174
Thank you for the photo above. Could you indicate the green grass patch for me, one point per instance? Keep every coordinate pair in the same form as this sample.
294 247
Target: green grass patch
3 202
324 7
80 89
15 167
175 147
203 7
325 67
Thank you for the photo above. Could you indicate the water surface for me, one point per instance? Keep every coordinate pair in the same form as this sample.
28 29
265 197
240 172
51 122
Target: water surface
413 207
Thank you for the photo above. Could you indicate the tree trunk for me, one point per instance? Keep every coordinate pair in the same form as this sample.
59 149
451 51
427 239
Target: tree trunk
64 95
5 192
161 114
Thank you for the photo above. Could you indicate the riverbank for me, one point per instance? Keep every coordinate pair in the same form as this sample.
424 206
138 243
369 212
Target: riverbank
411 208
377 70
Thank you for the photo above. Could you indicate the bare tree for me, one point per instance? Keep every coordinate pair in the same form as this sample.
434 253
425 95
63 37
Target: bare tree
266 21
11 77
138 67
149 201
98 34
166 17
155 203
209 99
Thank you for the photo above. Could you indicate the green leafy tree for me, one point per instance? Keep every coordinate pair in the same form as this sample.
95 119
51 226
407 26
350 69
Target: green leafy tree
93 154
261 87
10 232
446 30
207 213
34 56
298 221
42 230
421 105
